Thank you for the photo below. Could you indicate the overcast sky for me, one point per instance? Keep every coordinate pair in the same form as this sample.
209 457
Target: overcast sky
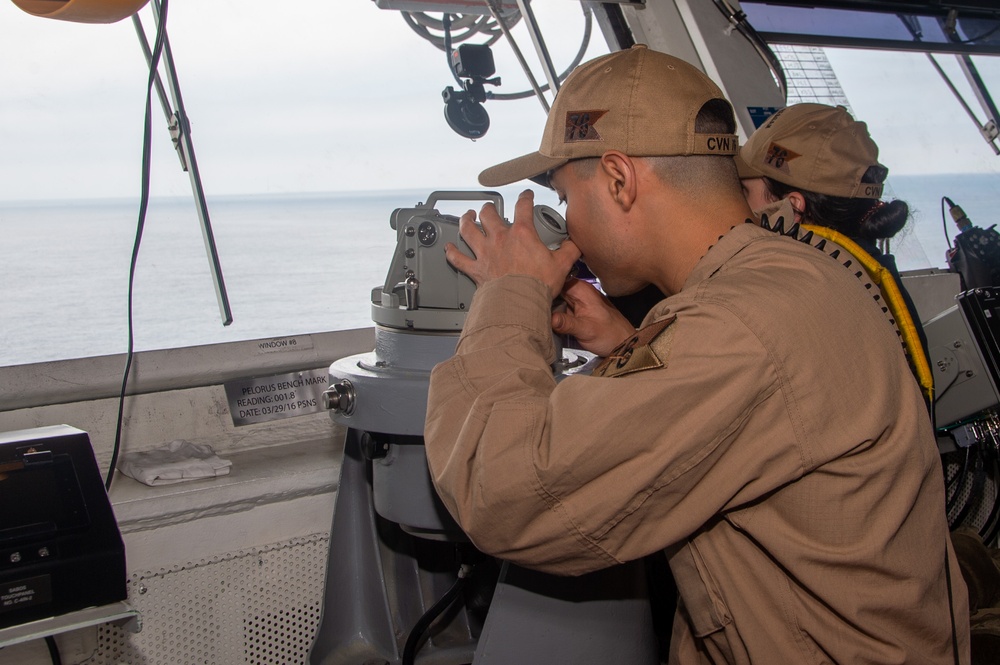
315 95
326 95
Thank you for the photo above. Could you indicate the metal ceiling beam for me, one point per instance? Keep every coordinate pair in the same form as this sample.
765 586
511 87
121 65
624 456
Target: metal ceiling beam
968 8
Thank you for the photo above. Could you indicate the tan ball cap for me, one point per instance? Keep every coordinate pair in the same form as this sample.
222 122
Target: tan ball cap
814 147
639 101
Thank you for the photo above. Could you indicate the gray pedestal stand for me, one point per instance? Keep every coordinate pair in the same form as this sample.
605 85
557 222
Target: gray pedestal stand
394 550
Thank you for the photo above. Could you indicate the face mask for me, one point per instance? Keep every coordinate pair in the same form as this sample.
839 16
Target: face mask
776 209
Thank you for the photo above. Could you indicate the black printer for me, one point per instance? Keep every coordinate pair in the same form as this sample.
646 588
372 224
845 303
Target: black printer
60 547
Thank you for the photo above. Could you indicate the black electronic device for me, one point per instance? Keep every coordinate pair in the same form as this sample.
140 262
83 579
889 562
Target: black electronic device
981 308
60 547
472 63
976 254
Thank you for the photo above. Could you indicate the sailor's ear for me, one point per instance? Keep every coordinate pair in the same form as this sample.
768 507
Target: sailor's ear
798 205
620 175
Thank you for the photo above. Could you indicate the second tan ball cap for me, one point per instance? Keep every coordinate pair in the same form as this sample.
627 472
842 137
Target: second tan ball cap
814 147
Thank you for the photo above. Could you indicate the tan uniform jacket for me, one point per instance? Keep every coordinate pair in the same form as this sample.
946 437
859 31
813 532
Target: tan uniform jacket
771 439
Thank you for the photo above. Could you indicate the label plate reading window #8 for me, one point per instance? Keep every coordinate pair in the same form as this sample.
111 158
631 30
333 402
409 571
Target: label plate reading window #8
265 398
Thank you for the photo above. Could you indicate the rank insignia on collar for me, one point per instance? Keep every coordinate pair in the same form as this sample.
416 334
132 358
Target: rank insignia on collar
636 353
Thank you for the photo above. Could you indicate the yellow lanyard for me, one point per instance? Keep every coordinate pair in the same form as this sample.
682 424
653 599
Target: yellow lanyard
882 278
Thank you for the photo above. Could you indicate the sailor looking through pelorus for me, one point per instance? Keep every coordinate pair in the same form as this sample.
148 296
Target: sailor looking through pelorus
800 504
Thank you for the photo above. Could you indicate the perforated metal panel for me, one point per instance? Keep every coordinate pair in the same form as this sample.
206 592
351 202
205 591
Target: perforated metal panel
259 606
971 484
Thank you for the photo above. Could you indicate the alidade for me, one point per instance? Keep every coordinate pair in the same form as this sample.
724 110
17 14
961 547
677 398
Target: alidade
422 291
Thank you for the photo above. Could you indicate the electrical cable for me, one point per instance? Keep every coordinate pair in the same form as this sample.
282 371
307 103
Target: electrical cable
948 26
50 642
428 617
495 27
446 26
951 607
539 93
973 40
588 23
161 31
944 221
422 24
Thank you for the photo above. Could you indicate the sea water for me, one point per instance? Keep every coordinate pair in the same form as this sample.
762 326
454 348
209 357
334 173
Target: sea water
291 263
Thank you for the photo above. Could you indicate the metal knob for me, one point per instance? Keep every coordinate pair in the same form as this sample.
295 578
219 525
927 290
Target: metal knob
411 286
340 397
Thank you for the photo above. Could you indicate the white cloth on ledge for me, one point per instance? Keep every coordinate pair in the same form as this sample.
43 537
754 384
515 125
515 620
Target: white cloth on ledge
174 462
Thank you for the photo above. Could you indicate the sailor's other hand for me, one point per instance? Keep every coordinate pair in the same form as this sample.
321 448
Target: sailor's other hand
501 249
591 319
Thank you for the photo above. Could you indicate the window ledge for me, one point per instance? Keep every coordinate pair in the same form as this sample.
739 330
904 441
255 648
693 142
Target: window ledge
257 477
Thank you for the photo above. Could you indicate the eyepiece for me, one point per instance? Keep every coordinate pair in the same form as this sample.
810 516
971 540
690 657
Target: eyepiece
550 225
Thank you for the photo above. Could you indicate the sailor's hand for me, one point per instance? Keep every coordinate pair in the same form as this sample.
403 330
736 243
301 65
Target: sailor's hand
591 319
514 249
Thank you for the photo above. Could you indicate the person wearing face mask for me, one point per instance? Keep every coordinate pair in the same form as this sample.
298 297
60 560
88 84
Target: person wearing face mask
818 165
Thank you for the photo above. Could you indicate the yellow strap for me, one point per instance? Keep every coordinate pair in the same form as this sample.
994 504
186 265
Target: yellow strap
882 278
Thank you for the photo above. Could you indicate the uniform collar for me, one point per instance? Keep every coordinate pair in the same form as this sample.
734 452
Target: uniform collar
717 255
723 250
779 214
